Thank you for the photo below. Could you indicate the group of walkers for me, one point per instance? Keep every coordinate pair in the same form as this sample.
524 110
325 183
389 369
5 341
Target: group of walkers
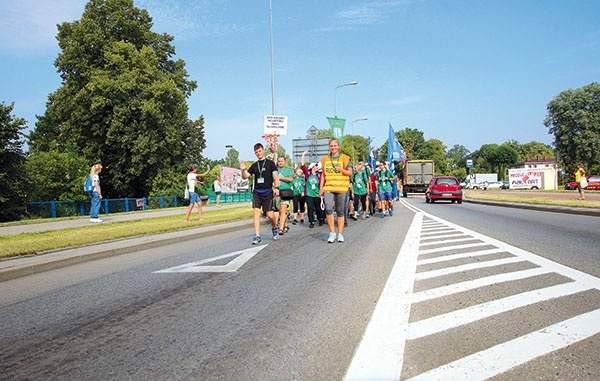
316 191
326 192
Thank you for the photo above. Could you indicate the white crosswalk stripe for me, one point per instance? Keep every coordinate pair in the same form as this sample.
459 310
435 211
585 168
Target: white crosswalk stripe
454 262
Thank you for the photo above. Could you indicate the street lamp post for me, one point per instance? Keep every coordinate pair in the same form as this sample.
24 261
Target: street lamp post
337 87
353 136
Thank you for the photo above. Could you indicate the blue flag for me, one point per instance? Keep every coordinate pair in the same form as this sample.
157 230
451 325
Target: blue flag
394 149
371 155
394 155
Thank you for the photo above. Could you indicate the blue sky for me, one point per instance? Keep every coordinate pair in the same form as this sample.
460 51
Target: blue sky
466 72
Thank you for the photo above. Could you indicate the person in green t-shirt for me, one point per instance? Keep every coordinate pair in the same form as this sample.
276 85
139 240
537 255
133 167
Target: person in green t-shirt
286 178
384 185
360 187
299 196
313 200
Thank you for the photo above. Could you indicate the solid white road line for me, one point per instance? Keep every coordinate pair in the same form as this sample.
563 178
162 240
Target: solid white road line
381 351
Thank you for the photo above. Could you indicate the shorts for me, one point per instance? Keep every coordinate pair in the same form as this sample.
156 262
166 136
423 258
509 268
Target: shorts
194 198
218 193
386 196
337 200
262 202
279 202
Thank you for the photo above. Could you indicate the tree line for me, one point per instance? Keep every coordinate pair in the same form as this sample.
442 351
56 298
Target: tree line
122 102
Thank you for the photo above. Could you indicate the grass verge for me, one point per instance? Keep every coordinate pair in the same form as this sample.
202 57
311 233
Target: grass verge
531 198
31 243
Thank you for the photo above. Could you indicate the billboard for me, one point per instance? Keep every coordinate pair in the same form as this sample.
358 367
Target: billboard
531 178
231 180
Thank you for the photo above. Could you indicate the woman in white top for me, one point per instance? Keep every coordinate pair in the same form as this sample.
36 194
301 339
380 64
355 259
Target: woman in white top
217 189
192 180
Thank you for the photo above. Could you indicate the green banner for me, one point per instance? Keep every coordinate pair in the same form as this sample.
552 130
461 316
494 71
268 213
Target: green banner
337 128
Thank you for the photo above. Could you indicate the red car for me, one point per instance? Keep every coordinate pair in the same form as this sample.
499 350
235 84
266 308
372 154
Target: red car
444 188
571 185
593 182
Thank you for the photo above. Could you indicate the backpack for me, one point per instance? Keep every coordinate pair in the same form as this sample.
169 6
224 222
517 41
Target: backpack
88 187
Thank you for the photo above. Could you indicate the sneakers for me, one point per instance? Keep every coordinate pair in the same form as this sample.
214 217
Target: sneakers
295 222
312 225
340 238
95 220
331 238
256 240
275 234
391 212
382 215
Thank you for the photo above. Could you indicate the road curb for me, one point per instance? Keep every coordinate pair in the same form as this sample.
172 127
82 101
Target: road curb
543 208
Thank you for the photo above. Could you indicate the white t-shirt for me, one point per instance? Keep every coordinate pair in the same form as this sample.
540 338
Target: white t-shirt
96 182
217 186
191 180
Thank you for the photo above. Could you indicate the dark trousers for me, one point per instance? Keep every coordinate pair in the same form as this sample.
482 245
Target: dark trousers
372 202
362 201
314 206
299 202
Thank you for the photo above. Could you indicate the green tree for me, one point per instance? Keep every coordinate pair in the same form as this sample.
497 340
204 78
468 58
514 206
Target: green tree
233 158
533 150
413 142
57 176
504 157
573 117
13 179
435 150
483 159
356 144
324 133
122 100
457 157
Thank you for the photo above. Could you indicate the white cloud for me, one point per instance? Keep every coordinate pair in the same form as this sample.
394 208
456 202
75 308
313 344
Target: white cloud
185 20
28 26
369 13
407 100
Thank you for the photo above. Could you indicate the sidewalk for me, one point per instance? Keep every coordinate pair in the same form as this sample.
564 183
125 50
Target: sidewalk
12 268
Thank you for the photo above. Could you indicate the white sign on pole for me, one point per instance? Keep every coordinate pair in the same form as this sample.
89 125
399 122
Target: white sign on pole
275 125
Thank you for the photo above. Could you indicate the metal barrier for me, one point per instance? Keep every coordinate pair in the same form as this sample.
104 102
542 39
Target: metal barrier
54 209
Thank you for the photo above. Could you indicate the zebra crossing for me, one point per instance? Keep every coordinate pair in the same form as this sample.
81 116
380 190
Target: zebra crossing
475 308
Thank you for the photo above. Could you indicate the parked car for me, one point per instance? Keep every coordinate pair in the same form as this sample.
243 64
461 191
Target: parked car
444 188
494 185
505 185
593 182
571 185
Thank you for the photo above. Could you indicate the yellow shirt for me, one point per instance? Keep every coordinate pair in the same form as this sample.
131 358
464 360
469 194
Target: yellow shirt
579 174
335 182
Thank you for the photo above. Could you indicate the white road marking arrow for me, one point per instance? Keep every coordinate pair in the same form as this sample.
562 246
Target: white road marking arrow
241 257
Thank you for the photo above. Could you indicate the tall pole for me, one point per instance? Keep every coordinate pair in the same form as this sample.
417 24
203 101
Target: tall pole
354 141
337 87
273 110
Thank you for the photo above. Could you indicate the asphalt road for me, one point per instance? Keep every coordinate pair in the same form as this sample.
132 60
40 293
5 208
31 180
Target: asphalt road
438 291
